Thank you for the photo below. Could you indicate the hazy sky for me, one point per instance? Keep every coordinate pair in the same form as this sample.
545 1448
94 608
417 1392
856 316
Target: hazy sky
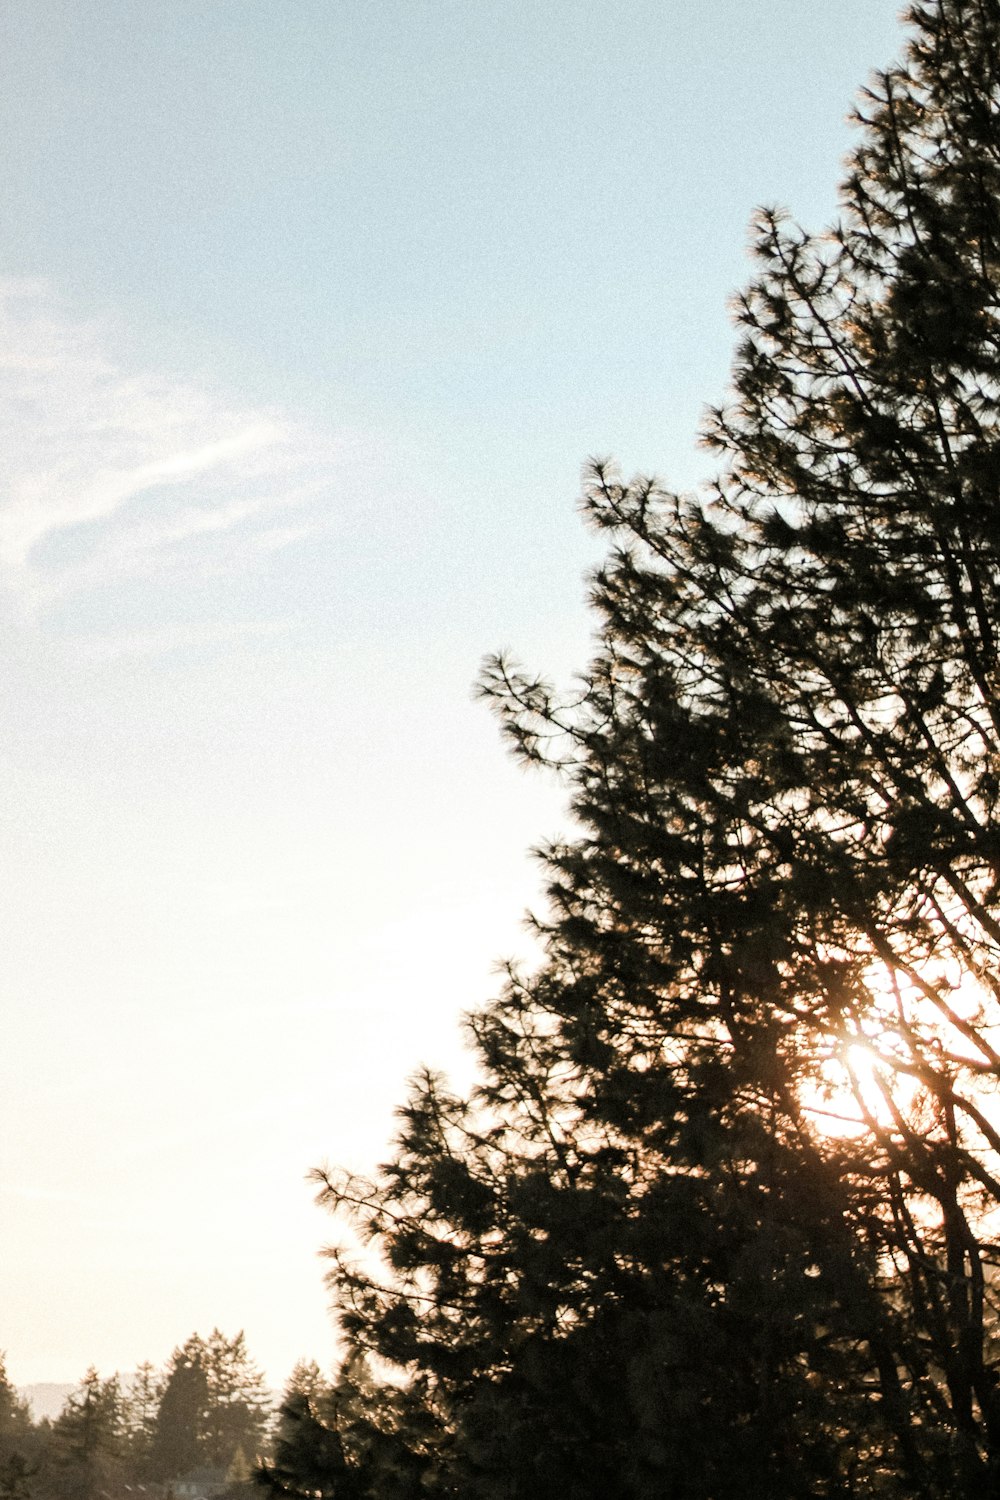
311 310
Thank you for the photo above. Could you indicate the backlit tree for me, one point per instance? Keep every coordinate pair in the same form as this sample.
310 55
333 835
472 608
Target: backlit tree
726 1197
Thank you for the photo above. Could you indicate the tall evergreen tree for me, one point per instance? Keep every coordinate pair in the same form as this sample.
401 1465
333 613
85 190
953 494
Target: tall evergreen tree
214 1402
140 1406
239 1406
177 1444
317 1455
85 1444
644 1259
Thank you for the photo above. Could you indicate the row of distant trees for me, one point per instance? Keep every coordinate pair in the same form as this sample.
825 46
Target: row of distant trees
208 1408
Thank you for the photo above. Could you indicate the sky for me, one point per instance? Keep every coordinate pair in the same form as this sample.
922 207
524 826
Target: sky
310 312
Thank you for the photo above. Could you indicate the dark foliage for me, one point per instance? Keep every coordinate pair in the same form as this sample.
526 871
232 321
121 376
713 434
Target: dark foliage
213 1404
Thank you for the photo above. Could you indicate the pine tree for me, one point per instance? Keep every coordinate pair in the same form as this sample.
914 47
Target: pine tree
645 1258
85 1445
238 1403
178 1435
311 1459
214 1401
140 1405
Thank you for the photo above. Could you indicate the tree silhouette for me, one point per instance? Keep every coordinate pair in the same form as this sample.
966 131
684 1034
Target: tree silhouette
85 1444
238 1402
177 1444
141 1399
724 1202
213 1402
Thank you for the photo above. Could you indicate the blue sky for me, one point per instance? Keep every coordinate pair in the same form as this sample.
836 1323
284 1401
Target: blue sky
311 311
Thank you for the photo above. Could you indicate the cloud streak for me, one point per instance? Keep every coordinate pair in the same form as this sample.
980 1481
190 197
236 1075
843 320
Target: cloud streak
108 474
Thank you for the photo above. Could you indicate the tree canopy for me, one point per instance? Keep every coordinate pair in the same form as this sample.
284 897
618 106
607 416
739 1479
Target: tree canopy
725 1198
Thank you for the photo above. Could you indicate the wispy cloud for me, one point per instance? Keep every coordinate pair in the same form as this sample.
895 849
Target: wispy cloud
109 474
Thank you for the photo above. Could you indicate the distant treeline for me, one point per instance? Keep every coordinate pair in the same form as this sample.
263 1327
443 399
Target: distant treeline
204 1419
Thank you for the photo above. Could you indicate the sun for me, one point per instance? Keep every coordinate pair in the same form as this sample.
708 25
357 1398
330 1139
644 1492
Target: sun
858 1088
